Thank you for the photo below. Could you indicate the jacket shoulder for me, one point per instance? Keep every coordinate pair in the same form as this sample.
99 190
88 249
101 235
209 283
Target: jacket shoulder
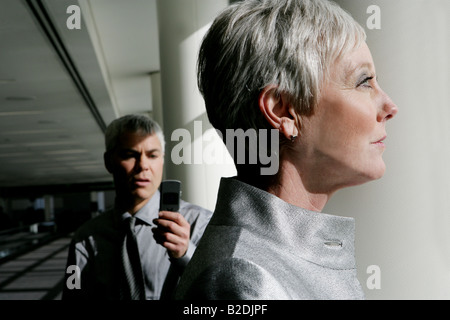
233 279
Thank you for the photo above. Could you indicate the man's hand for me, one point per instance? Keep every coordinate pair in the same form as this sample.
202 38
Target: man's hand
172 232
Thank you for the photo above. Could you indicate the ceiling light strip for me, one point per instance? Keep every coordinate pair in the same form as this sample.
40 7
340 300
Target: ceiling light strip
42 16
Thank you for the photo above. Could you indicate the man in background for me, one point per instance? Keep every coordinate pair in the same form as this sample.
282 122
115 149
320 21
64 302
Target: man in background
165 240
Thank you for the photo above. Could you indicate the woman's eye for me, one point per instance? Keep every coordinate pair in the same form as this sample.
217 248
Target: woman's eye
365 82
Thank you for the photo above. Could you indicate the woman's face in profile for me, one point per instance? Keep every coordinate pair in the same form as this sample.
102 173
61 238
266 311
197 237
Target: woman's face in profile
346 135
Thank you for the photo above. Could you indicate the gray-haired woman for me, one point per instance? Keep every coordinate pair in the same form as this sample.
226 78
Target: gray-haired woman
301 67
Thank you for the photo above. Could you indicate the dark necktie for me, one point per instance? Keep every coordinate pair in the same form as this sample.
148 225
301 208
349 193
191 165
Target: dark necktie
131 262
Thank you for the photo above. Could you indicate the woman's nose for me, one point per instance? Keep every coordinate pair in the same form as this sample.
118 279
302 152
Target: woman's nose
388 110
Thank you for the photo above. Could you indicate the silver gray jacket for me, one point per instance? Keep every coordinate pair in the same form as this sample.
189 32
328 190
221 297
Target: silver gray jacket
258 246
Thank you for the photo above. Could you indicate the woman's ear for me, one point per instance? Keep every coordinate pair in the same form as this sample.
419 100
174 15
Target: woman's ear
278 112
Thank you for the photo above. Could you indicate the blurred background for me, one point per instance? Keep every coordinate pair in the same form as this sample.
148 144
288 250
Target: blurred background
68 68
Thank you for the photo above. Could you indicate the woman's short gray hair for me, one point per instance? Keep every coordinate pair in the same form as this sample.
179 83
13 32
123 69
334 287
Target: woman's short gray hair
256 43
134 123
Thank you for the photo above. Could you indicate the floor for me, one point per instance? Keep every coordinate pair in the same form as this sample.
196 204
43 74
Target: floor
35 275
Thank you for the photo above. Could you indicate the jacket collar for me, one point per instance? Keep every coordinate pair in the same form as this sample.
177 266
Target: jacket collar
324 239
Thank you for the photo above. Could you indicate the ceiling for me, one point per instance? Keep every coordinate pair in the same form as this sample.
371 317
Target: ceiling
60 87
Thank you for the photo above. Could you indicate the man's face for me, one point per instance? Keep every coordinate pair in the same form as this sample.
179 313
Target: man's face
137 166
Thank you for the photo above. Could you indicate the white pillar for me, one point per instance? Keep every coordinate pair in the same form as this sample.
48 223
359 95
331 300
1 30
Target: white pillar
182 24
157 113
403 220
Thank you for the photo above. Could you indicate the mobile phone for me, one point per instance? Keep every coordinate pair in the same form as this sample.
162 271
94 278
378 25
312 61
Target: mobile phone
170 195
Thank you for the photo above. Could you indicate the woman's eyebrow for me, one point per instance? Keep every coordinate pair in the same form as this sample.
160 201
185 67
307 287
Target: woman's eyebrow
352 68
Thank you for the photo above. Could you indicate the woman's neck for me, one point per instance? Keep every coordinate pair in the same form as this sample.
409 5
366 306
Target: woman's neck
288 185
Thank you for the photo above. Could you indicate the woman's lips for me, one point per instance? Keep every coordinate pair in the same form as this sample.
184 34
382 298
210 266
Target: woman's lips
380 142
